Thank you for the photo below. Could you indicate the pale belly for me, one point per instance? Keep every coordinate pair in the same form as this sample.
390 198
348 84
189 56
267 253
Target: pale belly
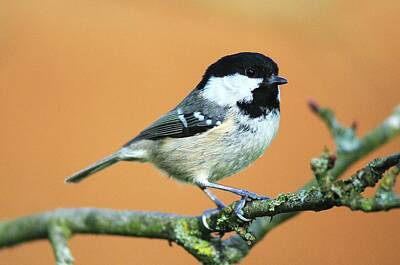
219 153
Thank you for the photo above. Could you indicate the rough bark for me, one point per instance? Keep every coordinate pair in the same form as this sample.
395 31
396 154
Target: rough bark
323 192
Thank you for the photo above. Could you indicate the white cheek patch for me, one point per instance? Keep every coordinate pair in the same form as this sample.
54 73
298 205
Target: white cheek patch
230 89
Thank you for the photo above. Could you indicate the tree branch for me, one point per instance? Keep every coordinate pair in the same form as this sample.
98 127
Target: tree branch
346 157
324 192
59 234
322 197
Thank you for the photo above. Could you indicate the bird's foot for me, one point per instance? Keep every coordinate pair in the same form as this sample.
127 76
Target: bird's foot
247 196
206 214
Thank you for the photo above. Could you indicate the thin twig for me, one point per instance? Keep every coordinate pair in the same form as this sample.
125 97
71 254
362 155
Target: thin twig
324 192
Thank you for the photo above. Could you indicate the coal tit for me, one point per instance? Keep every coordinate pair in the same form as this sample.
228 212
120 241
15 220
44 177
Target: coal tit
220 128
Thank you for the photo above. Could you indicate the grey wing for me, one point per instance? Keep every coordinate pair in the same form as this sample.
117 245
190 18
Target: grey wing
192 116
178 124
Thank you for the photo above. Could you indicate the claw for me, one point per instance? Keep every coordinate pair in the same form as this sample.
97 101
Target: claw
248 196
244 194
205 215
239 209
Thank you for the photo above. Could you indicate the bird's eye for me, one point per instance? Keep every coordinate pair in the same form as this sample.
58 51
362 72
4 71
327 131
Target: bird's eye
250 72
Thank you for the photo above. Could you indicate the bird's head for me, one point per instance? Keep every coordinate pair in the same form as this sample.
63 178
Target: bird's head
247 80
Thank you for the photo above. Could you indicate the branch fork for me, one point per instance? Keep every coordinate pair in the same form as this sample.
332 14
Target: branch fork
323 192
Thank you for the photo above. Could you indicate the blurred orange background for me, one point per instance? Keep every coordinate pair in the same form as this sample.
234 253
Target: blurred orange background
80 78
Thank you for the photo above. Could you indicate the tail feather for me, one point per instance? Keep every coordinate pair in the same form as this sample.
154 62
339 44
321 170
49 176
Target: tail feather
99 165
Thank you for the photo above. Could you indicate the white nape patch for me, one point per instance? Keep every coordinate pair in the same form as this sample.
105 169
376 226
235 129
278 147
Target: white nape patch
230 89
208 122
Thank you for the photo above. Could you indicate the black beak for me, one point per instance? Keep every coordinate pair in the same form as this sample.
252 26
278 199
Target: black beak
276 80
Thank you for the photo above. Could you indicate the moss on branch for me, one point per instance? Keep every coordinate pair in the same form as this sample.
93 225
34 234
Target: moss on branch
323 192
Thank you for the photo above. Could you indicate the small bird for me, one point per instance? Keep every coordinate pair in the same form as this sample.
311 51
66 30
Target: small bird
223 125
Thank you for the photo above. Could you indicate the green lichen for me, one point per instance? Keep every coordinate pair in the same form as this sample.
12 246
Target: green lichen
282 198
389 179
222 220
367 204
182 229
204 248
192 241
321 166
65 231
245 234
61 226
387 184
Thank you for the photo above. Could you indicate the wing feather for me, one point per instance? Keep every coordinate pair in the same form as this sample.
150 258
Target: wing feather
178 124
192 116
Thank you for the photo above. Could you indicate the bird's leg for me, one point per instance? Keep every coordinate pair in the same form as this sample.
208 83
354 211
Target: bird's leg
207 213
246 196
214 198
243 193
